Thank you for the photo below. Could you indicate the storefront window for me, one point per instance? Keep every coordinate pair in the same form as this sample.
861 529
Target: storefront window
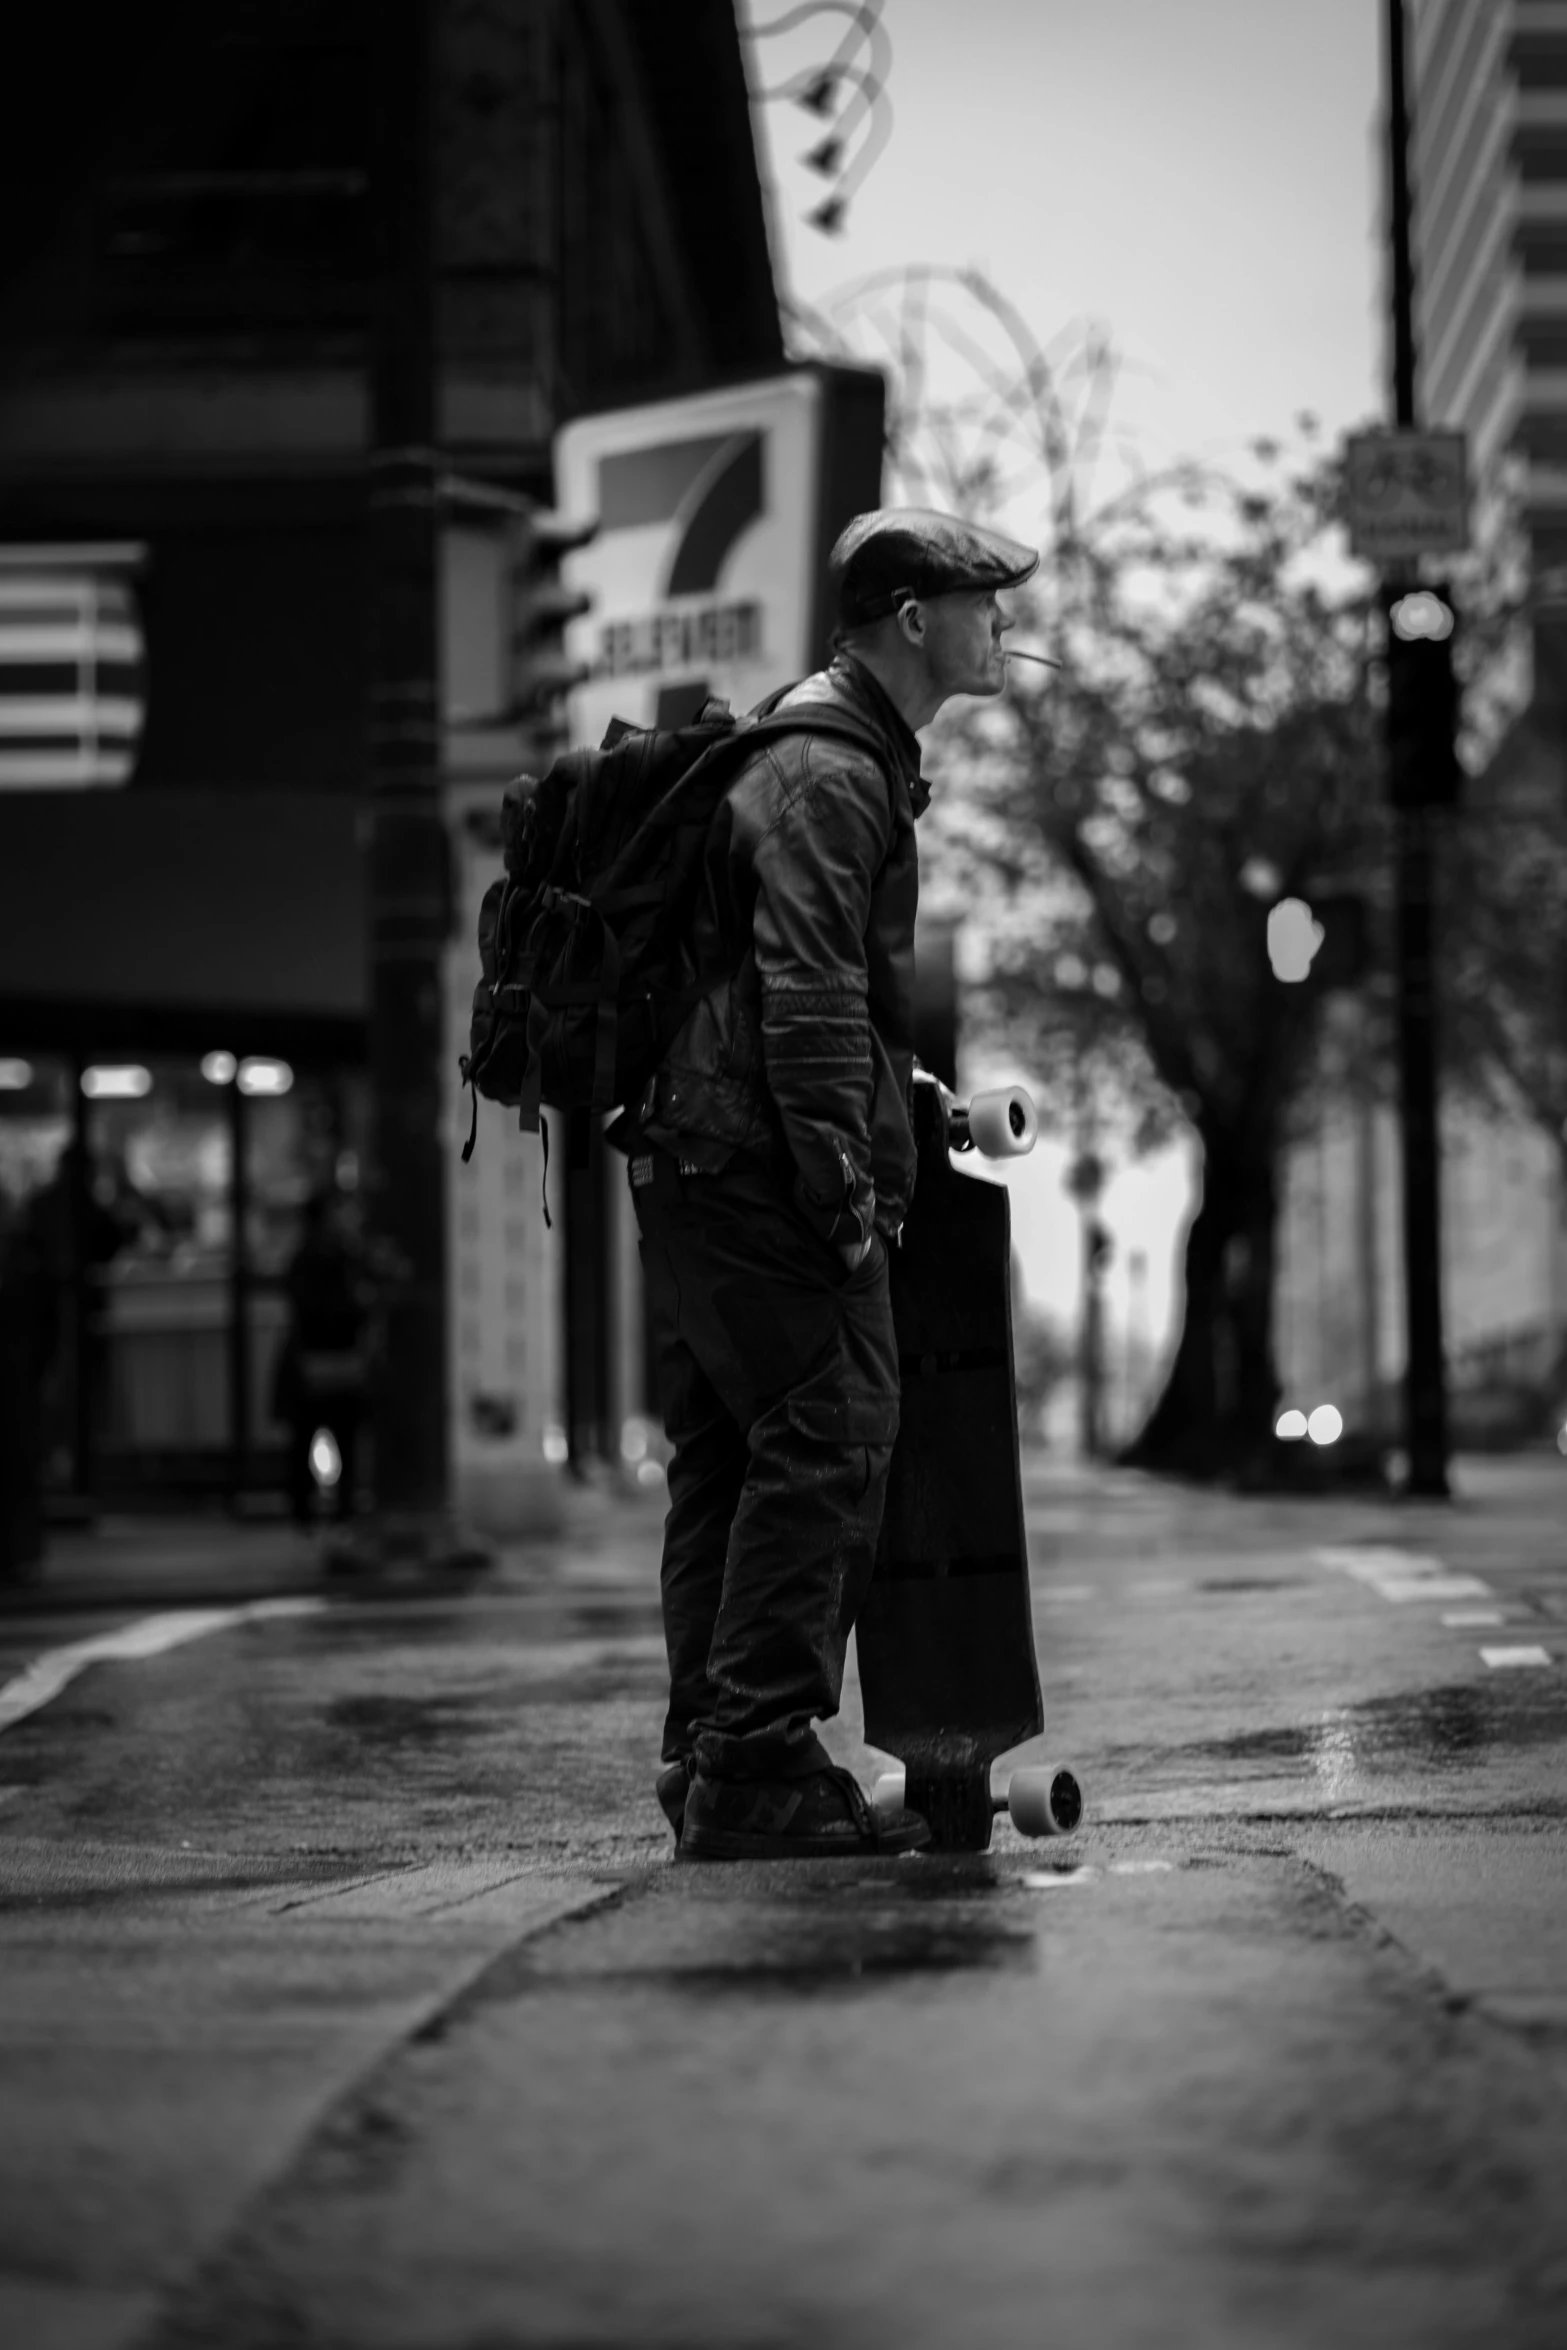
158 1261
152 1348
301 1141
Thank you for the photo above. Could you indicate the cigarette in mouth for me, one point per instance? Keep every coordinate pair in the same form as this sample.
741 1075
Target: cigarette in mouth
1014 655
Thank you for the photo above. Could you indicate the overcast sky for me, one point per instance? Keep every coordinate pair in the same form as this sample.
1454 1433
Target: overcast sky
1202 178
1199 176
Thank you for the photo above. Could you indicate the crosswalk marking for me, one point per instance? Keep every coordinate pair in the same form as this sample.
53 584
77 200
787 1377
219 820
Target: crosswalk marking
1401 1575
1367 1560
1526 1655
1399 1588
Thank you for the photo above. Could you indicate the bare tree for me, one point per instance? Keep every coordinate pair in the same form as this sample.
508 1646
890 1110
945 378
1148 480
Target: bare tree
1124 823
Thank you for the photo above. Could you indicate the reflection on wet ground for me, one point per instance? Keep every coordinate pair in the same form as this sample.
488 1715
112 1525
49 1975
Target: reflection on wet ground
1253 1583
43 1875
367 1622
797 1927
1455 1727
402 1717
406 1721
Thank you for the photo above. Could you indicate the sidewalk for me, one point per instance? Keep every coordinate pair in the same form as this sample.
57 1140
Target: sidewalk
613 1531
348 1983
610 1535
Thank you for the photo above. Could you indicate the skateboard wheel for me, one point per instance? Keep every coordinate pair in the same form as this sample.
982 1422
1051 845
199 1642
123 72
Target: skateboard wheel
1045 1802
1003 1124
887 1794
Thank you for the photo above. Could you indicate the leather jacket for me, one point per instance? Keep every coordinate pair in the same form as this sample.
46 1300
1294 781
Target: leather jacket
802 1051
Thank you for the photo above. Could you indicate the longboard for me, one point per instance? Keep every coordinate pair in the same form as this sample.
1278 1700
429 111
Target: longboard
946 1635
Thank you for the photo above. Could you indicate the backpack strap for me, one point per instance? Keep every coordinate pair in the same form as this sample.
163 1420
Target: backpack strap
768 724
604 989
808 718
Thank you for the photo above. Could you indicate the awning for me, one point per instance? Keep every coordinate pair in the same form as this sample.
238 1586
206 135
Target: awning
190 909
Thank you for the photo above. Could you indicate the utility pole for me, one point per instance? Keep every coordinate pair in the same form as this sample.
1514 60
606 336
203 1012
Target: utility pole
1084 1183
1413 824
408 851
544 675
1367 1251
1137 1339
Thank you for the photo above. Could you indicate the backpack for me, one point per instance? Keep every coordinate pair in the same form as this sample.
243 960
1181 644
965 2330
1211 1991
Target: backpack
585 970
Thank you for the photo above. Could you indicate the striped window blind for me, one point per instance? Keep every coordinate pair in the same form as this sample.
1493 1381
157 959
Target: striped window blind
72 668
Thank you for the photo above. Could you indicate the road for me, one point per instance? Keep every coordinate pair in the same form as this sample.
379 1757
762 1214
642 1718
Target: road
348 1995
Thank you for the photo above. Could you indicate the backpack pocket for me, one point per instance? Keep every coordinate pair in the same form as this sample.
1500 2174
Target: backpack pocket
594 1041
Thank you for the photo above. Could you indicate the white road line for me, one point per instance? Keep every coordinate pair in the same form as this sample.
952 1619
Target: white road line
47 1675
1399 1588
1369 1559
1498 1657
1401 1575
1459 1619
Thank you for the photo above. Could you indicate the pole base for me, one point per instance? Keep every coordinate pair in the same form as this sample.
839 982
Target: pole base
405 1546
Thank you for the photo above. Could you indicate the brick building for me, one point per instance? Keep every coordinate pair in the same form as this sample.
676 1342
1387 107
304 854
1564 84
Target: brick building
189 243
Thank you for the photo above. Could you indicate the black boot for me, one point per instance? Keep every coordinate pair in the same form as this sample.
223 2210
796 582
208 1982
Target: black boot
821 1817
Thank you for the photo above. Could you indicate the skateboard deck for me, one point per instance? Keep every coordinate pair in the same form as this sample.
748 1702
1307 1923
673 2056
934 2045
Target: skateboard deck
946 1637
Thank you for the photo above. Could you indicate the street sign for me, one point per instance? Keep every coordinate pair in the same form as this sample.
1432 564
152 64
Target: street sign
716 511
1406 493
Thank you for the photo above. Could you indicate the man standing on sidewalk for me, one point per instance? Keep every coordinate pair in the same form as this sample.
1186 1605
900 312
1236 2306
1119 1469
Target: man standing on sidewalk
772 1163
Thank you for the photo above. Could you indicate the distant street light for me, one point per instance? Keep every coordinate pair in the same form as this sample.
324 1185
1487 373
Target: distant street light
266 1078
817 90
1294 935
1260 878
128 1083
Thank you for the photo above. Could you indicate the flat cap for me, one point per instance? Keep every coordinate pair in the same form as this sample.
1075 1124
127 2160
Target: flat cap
900 551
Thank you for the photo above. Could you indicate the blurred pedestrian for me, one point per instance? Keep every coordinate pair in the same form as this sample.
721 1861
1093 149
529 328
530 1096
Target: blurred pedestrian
29 1314
772 1161
319 1385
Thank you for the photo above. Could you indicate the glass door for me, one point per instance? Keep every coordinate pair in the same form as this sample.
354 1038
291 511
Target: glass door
157 1264
304 1143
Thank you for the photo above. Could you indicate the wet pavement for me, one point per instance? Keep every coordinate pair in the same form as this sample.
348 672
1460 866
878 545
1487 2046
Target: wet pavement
347 1994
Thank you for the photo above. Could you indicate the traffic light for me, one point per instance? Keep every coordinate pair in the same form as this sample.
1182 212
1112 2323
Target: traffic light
1342 959
543 673
1319 942
1422 696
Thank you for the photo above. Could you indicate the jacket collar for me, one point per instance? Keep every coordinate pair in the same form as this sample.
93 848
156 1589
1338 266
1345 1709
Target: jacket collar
854 681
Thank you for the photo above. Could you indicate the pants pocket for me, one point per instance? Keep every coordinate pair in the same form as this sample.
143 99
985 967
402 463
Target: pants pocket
825 1417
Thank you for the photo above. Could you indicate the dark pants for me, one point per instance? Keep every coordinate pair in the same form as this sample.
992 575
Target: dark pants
778 1382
